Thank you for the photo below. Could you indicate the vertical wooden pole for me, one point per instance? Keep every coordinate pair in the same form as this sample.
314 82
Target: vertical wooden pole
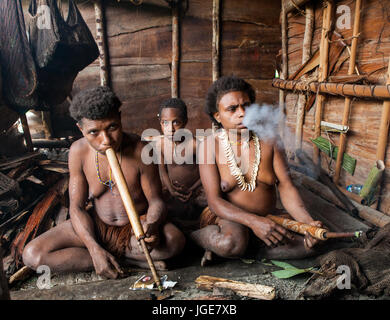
175 51
323 73
384 126
347 102
4 292
284 75
306 53
101 42
26 132
216 37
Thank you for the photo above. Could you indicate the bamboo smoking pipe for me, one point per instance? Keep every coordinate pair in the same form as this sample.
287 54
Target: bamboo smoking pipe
315 232
131 211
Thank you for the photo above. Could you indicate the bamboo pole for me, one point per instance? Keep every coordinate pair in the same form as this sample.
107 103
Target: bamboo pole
384 126
347 102
216 40
374 92
101 42
175 51
323 73
306 53
130 210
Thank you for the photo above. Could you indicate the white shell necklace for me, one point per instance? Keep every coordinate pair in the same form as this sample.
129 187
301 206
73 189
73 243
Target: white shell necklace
232 163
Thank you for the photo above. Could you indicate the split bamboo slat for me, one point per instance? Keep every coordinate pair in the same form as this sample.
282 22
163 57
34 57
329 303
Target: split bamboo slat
306 53
175 52
216 41
101 43
347 105
323 72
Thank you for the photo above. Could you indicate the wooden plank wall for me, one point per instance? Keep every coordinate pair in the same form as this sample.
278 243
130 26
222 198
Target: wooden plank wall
372 58
139 40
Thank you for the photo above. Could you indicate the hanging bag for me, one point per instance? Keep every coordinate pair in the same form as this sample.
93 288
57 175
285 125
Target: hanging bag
18 72
60 48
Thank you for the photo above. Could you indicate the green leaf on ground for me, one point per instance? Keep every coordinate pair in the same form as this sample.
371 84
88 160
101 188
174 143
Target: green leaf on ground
288 270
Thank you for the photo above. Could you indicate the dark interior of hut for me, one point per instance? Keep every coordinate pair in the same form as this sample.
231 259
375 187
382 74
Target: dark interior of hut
318 123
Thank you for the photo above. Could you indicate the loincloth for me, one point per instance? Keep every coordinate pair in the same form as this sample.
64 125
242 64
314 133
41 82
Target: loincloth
114 239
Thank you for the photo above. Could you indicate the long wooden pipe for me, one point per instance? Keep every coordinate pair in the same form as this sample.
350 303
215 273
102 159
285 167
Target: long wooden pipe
130 210
316 232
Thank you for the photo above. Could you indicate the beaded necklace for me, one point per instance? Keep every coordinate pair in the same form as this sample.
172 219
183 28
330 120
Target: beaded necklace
109 183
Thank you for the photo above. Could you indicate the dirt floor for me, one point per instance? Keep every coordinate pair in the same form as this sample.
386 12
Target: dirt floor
186 268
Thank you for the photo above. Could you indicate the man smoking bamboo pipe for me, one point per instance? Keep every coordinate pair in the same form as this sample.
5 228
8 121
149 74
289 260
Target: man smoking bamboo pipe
101 238
130 209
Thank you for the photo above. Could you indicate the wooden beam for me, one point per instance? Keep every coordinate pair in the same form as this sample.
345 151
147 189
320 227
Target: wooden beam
347 102
306 54
175 51
384 126
323 72
102 44
374 92
216 40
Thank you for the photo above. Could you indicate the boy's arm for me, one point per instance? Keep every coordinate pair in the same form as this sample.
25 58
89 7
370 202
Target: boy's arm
81 221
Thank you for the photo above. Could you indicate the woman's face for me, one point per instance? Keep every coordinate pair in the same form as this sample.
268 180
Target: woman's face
231 110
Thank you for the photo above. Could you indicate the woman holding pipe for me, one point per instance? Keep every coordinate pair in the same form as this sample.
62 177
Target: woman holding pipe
239 202
102 237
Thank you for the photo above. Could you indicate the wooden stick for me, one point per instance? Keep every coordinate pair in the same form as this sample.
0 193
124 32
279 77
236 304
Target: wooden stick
175 51
323 72
284 74
290 5
306 53
216 41
101 42
130 210
347 102
26 132
375 92
257 291
384 126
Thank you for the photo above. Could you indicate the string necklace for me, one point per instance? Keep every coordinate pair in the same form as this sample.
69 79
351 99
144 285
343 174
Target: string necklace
109 183
235 171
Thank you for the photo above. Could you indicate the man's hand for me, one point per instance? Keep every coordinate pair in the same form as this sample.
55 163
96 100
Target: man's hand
268 231
309 241
105 264
151 233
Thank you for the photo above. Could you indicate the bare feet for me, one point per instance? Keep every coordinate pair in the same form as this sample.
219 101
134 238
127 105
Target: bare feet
158 264
208 256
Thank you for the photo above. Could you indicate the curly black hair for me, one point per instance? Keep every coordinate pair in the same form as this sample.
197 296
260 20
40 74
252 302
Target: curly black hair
94 104
222 86
174 103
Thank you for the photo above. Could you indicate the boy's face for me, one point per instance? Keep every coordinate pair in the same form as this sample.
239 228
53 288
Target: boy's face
171 120
231 110
102 134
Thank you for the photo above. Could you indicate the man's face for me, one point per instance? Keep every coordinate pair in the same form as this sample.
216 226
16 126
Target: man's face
231 110
171 120
102 134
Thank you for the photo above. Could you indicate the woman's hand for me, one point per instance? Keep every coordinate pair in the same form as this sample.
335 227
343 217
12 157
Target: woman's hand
268 231
309 241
